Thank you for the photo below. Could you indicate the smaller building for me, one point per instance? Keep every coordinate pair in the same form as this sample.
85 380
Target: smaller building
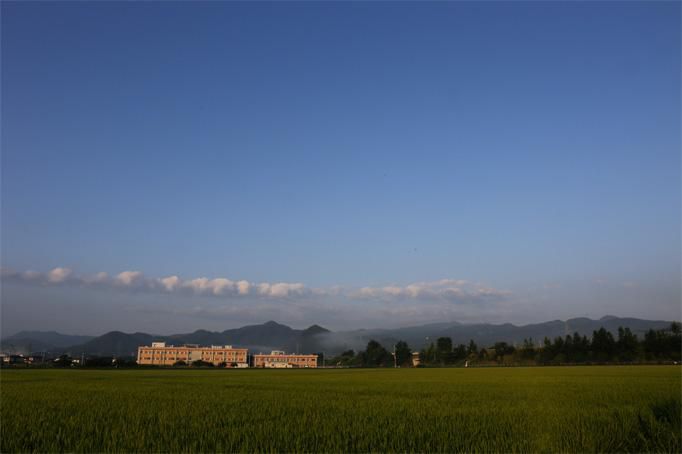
278 359
13 359
416 359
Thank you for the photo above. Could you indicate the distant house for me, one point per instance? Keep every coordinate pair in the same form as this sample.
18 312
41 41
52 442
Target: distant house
36 359
416 359
12 359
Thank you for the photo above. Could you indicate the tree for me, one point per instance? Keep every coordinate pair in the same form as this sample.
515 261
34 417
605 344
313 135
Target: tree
63 361
547 353
201 363
376 355
460 352
180 363
444 349
124 362
581 347
347 358
603 345
502 349
100 361
675 342
626 345
403 354
528 350
344 359
472 349
569 350
662 344
428 355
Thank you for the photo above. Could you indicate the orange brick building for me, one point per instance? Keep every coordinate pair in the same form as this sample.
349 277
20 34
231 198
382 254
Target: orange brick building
279 359
160 354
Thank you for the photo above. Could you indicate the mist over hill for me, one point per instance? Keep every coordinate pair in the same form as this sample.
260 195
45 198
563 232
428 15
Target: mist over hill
314 339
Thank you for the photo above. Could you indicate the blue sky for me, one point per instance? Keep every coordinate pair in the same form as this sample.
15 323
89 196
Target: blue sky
529 149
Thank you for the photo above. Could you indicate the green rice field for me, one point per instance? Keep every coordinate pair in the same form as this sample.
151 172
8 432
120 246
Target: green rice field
567 409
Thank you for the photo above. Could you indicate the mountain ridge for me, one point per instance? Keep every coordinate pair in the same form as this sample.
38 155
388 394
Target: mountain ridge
272 335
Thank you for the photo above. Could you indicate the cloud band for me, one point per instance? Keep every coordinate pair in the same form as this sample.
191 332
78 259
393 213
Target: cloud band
445 290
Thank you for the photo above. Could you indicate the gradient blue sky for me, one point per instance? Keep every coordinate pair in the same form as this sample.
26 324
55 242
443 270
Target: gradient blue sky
531 149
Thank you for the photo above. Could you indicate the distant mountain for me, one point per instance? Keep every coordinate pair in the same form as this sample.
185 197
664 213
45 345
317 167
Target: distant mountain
269 334
26 342
201 337
265 337
314 339
311 339
50 337
114 343
314 330
25 346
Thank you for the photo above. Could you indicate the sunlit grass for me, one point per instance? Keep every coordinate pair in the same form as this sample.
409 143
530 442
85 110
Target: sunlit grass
575 409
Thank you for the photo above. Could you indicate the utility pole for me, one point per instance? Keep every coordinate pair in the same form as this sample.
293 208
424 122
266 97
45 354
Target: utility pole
395 358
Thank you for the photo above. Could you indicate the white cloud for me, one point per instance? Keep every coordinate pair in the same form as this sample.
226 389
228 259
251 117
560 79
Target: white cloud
170 283
58 275
221 286
283 290
198 285
129 278
441 291
243 287
456 291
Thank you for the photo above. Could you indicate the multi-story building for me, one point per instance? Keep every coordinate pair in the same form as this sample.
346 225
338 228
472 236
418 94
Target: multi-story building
279 359
160 354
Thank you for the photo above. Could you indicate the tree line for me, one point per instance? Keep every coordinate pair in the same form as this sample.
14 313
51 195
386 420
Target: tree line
662 345
601 347
375 355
